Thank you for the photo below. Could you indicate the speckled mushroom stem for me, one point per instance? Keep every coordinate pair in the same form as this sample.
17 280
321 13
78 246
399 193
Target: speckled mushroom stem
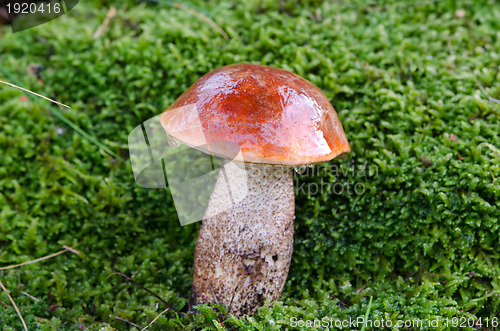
243 254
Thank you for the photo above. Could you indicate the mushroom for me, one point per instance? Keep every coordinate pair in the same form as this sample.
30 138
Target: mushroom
280 121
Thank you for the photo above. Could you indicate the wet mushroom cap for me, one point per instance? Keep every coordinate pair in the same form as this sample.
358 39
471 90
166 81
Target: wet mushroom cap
275 116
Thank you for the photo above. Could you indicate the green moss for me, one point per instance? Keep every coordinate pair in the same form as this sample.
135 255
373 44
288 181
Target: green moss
406 81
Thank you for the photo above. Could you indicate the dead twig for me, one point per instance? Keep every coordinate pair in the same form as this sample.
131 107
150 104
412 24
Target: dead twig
66 249
38 95
124 320
169 306
203 18
105 24
15 306
158 316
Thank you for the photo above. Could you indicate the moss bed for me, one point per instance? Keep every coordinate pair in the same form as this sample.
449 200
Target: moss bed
416 86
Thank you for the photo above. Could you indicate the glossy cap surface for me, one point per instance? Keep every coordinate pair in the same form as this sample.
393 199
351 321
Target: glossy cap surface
273 115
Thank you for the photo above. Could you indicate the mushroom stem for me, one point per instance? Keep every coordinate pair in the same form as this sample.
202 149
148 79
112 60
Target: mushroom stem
243 253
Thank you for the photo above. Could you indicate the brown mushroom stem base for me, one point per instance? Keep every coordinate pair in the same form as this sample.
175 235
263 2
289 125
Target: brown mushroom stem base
243 254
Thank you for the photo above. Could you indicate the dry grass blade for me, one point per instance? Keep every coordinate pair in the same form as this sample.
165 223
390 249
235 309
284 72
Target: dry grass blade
490 98
72 250
66 249
361 289
38 95
450 48
105 24
30 296
124 320
15 306
203 18
231 302
157 317
169 306
3 303
62 117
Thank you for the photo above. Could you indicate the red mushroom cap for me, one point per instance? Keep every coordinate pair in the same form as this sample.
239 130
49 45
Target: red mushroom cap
275 116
